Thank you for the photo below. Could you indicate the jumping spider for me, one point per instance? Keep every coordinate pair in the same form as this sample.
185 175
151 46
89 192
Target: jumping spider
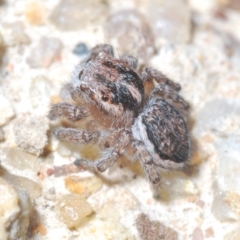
110 92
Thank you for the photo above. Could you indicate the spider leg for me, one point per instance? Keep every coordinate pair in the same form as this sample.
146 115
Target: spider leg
130 60
110 157
69 91
73 113
165 92
150 74
147 164
75 135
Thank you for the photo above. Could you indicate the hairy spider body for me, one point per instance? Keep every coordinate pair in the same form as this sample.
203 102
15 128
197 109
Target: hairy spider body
154 123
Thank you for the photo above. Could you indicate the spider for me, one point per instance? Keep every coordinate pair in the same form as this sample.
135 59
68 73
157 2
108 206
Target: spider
142 110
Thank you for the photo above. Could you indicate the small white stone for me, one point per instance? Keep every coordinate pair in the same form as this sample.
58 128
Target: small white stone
9 208
20 160
31 133
170 21
72 209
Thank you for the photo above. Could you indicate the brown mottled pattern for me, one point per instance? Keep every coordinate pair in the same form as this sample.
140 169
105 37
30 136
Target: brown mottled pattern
73 113
110 92
167 131
153 230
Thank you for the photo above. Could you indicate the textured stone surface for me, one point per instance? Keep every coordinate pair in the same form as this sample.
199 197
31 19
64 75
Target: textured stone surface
15 208
6 111
32 188
233 235
129 32
45 53
153 230
224 124
72 209
9 208
228 150
107 225
30 133
197 234
14 34
20 160
170 21
39 93
28 186
71 15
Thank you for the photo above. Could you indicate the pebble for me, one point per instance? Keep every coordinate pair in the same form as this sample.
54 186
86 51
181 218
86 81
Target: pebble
70 15
72 209
15 208
20 160
81 49
31 133
153 230
233 235
129 33
209 232
197 234
26 207
170 21
45 53
6 111
31 188
83 186
35 13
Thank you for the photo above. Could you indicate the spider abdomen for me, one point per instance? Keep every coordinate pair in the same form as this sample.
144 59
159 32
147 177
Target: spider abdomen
163 131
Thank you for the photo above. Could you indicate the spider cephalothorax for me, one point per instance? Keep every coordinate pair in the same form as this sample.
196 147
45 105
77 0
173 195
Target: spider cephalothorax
153 123
109 83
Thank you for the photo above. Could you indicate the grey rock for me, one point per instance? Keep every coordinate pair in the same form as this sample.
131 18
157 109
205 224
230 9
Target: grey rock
45 53
70 15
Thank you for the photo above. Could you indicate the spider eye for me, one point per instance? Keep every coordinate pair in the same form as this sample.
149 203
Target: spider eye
104 98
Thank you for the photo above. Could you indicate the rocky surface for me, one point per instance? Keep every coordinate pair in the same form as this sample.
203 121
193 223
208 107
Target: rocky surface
72 209
14 211
153 230
128 31
196 43
30 133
